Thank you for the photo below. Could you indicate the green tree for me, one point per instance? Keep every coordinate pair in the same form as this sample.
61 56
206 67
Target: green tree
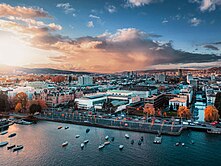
217 103
4 103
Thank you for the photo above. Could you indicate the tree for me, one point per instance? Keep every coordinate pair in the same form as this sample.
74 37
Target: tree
211 114
21 98
183 112
4 103
149 110
217 103
18 107
36 106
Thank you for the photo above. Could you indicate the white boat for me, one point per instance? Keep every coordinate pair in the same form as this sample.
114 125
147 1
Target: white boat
59 127
77 136
4 132
66 128
107 143
82 145
107 137
101 146
19 147
121 147
127 136
3 143
65 143
86 141
23 122
183 144
177 144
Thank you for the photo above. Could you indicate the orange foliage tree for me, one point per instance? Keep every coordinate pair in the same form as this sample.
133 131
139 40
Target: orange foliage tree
18 107
149 110
211 114
183 112
21 98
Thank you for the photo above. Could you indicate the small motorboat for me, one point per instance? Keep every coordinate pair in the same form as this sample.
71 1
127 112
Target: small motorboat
82 145
107 137
139 142
141 138
66 128
87 130
158 139
177 144
121 147
192 142
59 127
127 136
65 143
77 136
183 144
12 135
10 147
4 132
132 142
107 143
86 141
3 143
112 139
101 146
18 147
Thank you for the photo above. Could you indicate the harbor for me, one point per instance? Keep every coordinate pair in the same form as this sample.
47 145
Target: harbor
48 138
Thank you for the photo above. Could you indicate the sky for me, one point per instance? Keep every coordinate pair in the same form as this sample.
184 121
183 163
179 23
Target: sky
110 35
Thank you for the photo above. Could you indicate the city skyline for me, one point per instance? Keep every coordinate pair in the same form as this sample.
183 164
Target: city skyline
110 36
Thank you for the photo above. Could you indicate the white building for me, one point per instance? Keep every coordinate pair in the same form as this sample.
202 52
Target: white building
176 102
28 90
85 80
189 78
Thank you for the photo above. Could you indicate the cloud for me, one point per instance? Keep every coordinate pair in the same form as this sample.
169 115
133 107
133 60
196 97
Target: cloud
66 7
211 47
195 21
93 16
125 49
138 3
19 11
111 8
205 5
90 24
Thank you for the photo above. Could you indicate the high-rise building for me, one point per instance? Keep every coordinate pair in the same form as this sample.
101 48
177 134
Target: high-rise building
189 78
85 80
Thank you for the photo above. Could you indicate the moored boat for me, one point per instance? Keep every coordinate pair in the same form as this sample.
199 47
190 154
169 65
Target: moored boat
112 139
65 143
12 135
10 147
107 137
127 136
77 136
4 132
101 146
18 147
121 147
132 142
86 141
214 131
87 130
82 145
3 143
59 127
141 138
107 143
157 139
66 128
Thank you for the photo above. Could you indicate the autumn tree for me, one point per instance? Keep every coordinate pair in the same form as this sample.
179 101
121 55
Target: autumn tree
211 114
149 110
21 98
183 112
18 107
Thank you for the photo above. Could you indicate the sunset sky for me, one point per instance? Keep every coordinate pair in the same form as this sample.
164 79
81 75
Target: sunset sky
110 35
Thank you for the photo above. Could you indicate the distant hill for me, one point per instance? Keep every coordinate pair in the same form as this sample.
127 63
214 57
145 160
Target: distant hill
48 71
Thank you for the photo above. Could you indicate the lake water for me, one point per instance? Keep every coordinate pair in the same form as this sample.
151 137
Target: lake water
42 147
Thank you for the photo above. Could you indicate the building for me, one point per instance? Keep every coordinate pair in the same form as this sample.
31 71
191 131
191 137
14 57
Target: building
189 78
176 102
160 78
85 80
180 73
158 101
